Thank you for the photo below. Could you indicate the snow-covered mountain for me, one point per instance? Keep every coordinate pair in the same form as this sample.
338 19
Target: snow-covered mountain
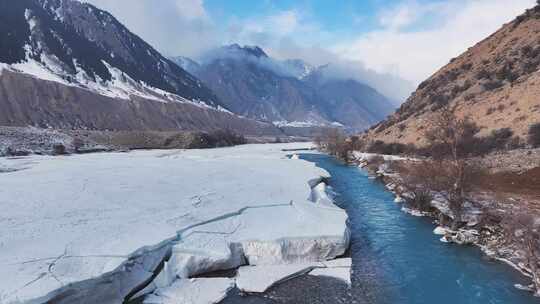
186 63
74 42
287 93
64 62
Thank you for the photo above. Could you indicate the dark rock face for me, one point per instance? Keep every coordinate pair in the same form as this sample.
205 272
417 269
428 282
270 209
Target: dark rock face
186 63
350 102
78 36
252 84
247 89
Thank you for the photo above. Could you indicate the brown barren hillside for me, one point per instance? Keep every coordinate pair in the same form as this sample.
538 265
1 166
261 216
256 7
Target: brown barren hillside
496 83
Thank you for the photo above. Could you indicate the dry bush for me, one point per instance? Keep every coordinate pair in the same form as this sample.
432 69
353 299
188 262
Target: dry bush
356 143
454 182
534 135
375 162
336 143
450 171
77 143
380 147
59 149
216 139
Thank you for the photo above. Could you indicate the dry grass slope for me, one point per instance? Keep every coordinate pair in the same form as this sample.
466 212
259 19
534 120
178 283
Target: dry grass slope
496 83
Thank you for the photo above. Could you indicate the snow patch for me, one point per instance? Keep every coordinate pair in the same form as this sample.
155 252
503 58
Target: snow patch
36 69
399 200
361 157
414 212
32 22
298 124
121 86
441 230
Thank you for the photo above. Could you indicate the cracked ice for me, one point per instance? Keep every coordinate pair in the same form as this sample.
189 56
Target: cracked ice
95 228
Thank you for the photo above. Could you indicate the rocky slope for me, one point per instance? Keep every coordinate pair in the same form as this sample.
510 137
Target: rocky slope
26 100
67 64
495 83
288 93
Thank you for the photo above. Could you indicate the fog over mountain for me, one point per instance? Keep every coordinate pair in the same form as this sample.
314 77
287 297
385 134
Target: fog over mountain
198 34
287 92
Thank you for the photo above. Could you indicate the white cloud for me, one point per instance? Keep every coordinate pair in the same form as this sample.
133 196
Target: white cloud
412 41
399 16
268 30
416 54
284 23
192 9
175 27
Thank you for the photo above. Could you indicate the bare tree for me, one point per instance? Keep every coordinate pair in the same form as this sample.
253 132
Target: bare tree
336 143
417 178
524 229
449 170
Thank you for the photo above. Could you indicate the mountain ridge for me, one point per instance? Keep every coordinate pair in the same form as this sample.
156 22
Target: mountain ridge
289 92
81 43
68 64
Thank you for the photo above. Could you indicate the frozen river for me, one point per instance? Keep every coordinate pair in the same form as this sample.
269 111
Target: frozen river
104 228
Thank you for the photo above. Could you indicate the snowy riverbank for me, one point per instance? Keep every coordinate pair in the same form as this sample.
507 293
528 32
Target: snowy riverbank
103 228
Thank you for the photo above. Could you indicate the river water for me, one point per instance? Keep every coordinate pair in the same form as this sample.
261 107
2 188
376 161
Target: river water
398 259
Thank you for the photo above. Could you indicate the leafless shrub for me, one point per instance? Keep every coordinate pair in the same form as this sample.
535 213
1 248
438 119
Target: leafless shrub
375 162
334 142
357 144
534 135
215 139
492 85
483 74
77 143
414 177
59 149
524 229
450 170
469 97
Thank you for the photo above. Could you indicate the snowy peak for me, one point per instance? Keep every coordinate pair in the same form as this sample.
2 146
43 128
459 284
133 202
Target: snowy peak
79 44
299 68
247 50
237 53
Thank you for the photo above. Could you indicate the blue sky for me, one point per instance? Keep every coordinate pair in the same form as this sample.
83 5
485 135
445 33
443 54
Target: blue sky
379 41
339 16
332 15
